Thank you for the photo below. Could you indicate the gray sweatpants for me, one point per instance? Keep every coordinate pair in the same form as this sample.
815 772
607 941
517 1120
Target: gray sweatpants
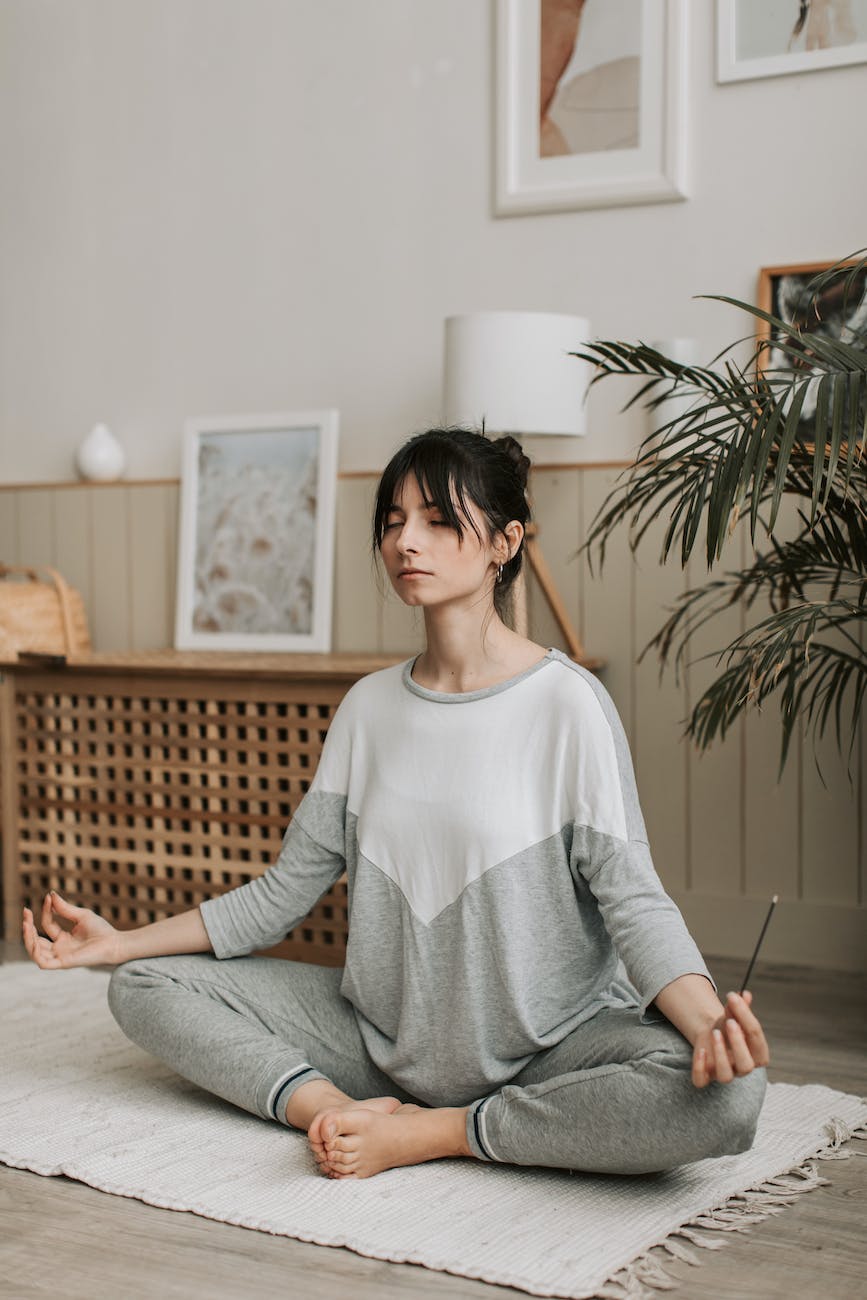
615 1096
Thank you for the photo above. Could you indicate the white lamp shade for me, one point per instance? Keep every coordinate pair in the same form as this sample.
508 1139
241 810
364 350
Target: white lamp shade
513 371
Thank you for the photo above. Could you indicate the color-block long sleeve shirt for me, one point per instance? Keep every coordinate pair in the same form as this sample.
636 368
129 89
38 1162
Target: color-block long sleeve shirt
501 887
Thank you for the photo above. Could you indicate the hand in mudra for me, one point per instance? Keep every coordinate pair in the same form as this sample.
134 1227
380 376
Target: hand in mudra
732 1047
91 941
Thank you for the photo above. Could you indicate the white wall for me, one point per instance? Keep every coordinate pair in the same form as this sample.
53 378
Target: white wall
226 206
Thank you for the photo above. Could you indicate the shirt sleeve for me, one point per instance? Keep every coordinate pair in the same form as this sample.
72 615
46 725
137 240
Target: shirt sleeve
262 912
312 858
611 851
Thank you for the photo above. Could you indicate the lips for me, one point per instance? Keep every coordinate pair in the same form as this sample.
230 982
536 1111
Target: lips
404 573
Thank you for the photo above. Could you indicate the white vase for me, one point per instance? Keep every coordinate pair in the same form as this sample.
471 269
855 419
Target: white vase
100 457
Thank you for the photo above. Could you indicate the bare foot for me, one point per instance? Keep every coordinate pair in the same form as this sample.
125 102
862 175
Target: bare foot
361 1143
384 1105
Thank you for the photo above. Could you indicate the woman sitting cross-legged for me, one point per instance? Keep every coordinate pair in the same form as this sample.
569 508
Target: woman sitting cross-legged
518 986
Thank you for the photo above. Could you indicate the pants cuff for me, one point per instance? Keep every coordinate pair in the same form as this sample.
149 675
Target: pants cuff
477 1135
283 1088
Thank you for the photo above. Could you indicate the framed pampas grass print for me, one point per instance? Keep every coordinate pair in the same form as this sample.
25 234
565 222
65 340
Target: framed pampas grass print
256 539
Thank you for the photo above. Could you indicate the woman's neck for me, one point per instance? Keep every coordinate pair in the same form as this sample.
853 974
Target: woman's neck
456 658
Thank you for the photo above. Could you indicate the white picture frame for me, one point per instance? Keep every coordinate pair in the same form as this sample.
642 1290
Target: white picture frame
655 171
256 532
773 27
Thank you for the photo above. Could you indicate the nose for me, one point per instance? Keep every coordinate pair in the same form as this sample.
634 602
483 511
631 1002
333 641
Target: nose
406 539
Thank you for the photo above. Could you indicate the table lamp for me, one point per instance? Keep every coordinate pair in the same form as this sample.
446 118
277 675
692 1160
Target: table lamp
512 372
684 399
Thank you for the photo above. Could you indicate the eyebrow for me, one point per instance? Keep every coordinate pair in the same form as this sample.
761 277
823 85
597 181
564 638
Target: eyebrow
428 505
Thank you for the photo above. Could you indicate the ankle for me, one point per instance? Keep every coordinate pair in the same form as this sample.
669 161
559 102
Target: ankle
459 1132
446 1128
311 1098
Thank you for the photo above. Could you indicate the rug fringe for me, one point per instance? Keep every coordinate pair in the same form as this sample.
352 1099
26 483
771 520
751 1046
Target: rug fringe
646 1275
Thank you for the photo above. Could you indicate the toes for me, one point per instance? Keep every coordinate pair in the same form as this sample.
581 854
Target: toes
343 1142
343 1159
329 1124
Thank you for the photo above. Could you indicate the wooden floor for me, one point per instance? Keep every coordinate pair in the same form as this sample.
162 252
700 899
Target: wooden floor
61 1238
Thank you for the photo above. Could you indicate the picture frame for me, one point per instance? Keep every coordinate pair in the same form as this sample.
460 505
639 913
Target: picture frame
645 163
770 39
781 292
256 532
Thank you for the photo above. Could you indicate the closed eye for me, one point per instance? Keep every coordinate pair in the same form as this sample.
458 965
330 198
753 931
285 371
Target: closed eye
437 523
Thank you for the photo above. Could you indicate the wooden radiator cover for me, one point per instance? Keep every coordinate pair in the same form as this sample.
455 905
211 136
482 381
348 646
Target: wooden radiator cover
141 785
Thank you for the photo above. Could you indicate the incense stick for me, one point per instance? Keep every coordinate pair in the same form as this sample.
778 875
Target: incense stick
774 902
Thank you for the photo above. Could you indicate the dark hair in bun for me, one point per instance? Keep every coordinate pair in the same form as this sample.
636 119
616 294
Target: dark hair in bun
452 465
517 456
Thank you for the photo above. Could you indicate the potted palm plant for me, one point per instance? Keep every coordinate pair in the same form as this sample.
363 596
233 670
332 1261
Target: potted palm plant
788 422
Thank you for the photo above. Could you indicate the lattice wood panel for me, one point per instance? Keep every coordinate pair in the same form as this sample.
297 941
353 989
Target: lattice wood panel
141 798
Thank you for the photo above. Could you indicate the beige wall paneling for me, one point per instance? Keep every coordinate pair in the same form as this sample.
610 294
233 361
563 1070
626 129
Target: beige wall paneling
661 754
9 503
110 572
829 811
556 508
36 528
72 542
829 821
715 774
607 617
771 808
149 540
172 505
356 600
862 803
811 934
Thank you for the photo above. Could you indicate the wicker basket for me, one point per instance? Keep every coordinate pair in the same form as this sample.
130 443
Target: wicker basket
40 615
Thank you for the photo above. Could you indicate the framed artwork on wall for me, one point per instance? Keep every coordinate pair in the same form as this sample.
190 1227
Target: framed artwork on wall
591 107
256 540
822 310
768 38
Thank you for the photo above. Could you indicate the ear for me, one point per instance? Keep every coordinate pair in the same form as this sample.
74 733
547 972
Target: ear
514 534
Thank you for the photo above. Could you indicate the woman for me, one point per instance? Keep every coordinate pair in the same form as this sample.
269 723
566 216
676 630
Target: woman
518 986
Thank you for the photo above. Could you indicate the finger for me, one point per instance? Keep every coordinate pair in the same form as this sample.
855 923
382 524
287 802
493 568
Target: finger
700 1076
49 925
31 935
738 1008
722 1066
64 908
42 952
739 1052
28 931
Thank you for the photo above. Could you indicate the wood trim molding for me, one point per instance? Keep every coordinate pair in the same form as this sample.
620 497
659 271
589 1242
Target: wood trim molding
341 474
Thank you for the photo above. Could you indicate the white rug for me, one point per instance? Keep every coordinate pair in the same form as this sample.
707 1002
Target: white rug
77 1098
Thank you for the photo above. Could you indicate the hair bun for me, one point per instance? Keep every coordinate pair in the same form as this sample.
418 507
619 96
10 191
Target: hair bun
517 456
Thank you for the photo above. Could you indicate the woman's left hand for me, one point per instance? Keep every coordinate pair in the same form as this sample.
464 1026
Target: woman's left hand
733 1046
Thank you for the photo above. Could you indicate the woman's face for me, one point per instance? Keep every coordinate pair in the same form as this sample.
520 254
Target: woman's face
416 537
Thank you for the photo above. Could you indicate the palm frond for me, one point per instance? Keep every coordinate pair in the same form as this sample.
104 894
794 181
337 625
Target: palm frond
790 422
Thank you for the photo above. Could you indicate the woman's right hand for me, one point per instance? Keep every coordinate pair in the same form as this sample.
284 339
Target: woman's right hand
92 941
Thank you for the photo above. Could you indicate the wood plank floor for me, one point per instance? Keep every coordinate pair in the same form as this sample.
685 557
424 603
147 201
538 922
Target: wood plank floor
59 1237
